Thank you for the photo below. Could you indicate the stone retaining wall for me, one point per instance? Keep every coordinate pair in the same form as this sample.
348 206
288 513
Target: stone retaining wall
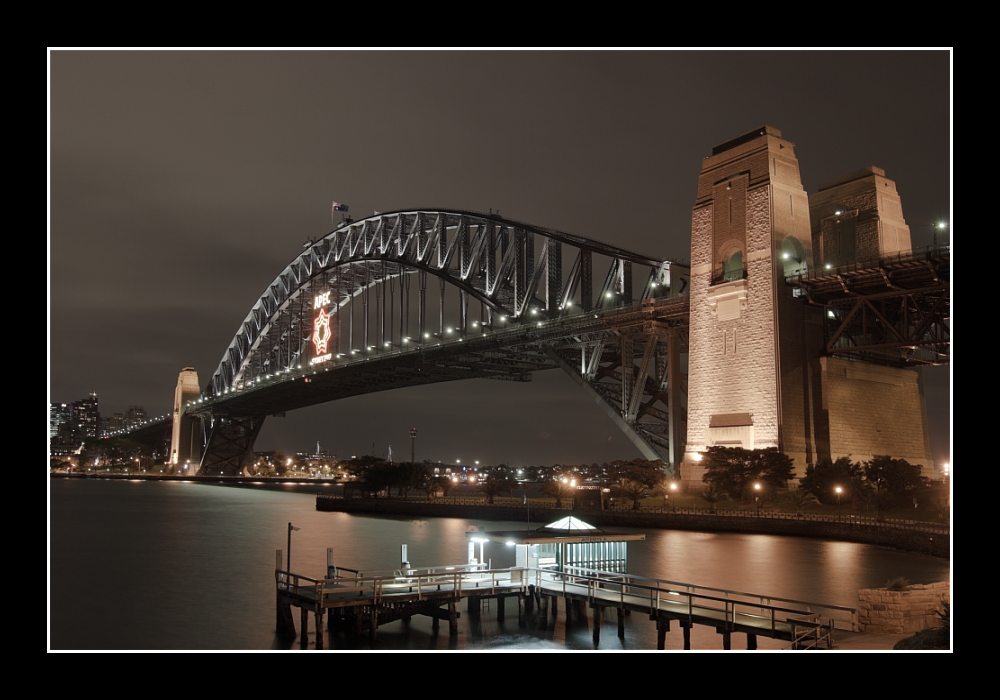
902 612
909 540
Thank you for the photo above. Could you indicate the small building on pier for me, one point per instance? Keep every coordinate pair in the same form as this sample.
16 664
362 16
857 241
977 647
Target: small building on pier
566 542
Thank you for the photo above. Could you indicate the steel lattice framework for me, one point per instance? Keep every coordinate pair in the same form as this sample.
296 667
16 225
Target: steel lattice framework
622 341
894 311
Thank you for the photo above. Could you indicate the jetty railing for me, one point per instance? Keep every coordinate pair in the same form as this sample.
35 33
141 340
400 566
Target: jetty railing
729 603
377 586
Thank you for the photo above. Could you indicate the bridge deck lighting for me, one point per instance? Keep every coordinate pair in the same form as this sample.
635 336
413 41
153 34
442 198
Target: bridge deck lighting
609 295
427 335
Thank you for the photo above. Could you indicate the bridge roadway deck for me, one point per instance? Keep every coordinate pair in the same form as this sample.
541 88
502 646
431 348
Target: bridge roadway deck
423 592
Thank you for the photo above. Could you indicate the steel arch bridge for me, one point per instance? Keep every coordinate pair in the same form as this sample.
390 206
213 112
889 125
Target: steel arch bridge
349 316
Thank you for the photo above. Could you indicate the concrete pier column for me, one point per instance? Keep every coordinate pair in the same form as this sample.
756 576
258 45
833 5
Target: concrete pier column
686 627
621 623
319 628
474 604
521 604
501 613
452 619
597 623
373 629
751 641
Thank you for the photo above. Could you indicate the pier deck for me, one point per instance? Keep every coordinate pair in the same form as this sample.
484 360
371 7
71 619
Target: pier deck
356 601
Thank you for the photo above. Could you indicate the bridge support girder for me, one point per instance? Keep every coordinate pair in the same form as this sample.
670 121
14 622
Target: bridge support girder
229 451
635 391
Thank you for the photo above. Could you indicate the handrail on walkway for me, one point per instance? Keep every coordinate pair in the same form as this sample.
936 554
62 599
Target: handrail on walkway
846 616
459 580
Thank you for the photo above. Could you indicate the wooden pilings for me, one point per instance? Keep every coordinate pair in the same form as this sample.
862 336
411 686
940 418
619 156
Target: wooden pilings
284 622
453 618
662 627
304 619
727 637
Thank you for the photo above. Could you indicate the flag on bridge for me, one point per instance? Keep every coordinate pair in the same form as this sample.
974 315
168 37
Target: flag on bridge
337 206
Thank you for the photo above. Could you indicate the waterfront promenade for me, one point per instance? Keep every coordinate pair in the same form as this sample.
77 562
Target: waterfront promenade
914 536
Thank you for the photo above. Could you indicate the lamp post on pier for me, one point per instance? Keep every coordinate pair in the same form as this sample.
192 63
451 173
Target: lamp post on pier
288 564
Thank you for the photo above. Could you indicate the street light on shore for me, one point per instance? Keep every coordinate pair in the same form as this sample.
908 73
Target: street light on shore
839 491
756 488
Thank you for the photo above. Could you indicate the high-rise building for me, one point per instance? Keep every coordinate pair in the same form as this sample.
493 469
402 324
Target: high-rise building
113 423
86 418
59 416
135 416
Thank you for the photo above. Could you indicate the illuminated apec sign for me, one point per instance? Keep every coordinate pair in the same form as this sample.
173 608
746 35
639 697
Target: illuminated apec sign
321 300
322 329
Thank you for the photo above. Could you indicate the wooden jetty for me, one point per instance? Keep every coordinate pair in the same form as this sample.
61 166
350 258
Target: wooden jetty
357 602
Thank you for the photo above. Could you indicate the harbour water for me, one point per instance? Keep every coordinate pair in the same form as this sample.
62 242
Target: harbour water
144 565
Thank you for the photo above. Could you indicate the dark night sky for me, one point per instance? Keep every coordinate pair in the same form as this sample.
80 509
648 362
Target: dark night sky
181 183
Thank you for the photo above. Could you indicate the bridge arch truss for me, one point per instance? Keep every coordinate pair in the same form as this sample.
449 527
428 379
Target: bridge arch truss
408 284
